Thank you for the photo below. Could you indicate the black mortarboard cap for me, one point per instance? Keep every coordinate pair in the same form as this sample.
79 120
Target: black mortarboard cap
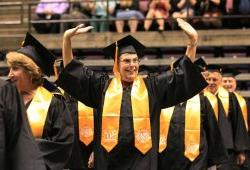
127 44
33 49
229 72
214 68
201 63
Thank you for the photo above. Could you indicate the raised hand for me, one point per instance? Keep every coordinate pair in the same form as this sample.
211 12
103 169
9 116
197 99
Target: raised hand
67 49
77 30
188 30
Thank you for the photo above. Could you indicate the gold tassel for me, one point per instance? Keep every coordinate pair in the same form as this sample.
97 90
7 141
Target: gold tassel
115 67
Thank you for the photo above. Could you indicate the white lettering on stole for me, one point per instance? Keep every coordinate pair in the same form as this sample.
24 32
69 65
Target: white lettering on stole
192 148
86 132
142 135
163 140
110 135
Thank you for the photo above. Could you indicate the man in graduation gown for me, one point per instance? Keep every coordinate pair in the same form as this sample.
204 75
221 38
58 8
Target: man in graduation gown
84 133
126 135
230 119
18 149
197 150
229 82
190 138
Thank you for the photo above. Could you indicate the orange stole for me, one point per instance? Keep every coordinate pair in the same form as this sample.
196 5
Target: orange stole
141 116
243 107
165 119
214 102
140 111
223 95
86 123
192 128
38 109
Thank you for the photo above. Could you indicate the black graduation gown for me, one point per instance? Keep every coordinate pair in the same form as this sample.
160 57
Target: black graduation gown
232 127
18 149
164 90
212 150
80 152
58 134
246 164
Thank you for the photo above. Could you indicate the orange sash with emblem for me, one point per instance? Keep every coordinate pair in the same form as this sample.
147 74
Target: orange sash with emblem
86 123
140 111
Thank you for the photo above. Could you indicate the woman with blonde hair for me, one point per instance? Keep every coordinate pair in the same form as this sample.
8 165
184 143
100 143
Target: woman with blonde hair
47 113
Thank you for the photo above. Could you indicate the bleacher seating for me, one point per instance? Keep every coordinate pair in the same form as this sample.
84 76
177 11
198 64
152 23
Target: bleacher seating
233 44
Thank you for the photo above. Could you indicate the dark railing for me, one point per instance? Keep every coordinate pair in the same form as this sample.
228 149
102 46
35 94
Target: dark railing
31 4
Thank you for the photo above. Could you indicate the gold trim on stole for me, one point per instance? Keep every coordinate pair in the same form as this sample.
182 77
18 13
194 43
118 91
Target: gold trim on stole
223 95
192 128
141 115
37 111
214 103
111 114
243 107
165 119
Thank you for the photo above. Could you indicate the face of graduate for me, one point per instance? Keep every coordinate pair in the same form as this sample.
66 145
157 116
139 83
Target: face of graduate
229 83
128 67
214 81
20 77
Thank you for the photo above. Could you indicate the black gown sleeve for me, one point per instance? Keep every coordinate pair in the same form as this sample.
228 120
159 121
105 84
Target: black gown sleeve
18 149
83 84
58 135
240 135
179 84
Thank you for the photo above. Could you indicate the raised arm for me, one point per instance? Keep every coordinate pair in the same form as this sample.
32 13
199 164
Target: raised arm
192 38
67 49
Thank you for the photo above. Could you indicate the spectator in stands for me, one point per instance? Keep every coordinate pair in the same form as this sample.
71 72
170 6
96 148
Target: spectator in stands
183 8
158 9
211 10
48 10
127 10
78 10
100 11
144 6
48 115
243 8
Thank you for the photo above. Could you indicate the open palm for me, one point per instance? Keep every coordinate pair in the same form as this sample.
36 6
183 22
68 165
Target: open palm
188 29
77 30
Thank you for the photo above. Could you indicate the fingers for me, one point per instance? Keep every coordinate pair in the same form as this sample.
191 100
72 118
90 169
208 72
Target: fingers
179 20
91 160
88 28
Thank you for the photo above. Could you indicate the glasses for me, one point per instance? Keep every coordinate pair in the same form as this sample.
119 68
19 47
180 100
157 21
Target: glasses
129 61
